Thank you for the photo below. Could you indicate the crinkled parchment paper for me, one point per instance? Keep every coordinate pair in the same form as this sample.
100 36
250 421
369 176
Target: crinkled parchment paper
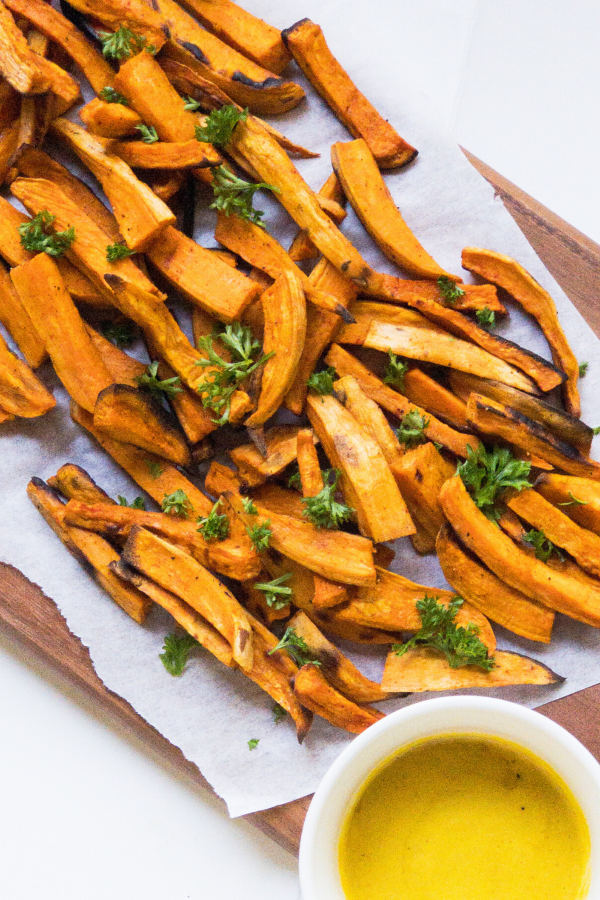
212 712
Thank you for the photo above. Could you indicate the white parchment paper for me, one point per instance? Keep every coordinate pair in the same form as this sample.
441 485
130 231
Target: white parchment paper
211 713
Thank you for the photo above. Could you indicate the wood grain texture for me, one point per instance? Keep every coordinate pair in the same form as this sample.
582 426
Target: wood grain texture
29 616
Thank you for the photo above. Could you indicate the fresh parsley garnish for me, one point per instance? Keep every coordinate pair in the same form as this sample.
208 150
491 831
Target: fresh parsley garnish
214 526
322 382
176 650
583 367
260 535
118 251
323 510
253 743
279 713
123 43
596 430
154 468
249 506
438 630
233 195
138 503
121 334
449 290
297 648
395 372
226 376
220 125
574 501
39 236
276 595
109 95
487 473
149 381
191 105
176 503
544 548
486 317
148 133
411 431
295 480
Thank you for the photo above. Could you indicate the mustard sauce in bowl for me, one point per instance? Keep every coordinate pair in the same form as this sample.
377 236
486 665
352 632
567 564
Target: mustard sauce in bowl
463 817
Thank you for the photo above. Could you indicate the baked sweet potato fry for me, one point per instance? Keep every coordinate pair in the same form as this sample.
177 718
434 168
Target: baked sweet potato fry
18 63
579 498
302 247
132 417
141 215
173 569
278 499
314 691
510 275
428 393
346 364
76 484
369 196
284 311
487 593
17 321
307 44
531 576
420 474
281 451
90 549
423 669
475 296
369 416
21 392
162 155
133 14
56 320
110 120
507 423
366 480
124 369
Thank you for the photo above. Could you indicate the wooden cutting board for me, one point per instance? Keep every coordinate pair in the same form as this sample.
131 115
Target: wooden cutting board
30 617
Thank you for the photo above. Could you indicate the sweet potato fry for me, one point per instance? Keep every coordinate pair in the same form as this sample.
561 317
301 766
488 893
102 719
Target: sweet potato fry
133 14
141 215
335 555
302 247
90 549
21 392
166 182
425 391
255 601
369 416
55 26
307 44
339 671
284 310
420 474
18 63
366 480
314 691
359 175
109 120
368 312
57 321
124 369
162 155
542 372
423 669
129 415
278 499
201 277
475 296
242 80
563 425
509 424
281 451
9 139
156 476
580 543
579 498
17 321
346 364
220 478
487 593
512 565
76 484
510 275
64 90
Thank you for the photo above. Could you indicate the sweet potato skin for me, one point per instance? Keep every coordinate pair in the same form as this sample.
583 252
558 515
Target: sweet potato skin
313 690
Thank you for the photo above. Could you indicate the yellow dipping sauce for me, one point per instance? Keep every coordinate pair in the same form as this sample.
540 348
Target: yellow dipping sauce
465 817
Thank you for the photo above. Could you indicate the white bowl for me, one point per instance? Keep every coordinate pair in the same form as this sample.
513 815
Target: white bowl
319 871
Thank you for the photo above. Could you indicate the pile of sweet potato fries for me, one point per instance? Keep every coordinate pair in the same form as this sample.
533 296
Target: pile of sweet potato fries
285 542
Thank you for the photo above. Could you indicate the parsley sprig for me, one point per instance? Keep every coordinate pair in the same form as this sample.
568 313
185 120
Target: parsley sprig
438 630
260 535
253 743
233 195
158 388
123 43
322 382
148 133
544 548
39 235
214 526
138 503
109 95
154 468
411 431
449 290
121 334
249 506
323 510
276 594
583 367
297 648
176 650
114 252
487 473
574 501
219 125
486 317
395 372
177 503
226 376
191 105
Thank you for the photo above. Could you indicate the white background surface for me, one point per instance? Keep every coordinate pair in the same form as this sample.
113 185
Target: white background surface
85 812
